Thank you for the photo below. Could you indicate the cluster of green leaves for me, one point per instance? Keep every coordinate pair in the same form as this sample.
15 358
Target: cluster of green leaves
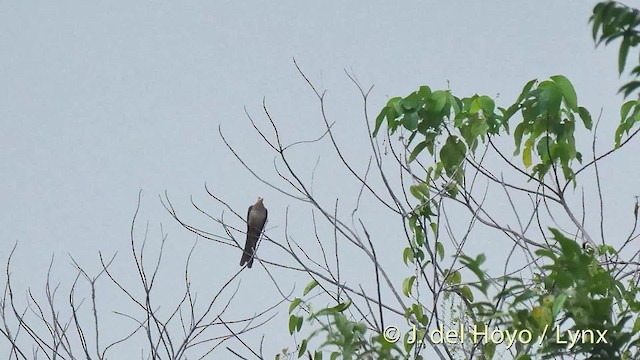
573 291
612 20
576 294
489 312
549 114
549 111
343 337
438 120
455 126
590 300
427 114
629 117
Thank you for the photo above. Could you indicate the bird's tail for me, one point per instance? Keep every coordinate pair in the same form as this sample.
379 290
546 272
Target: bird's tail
247 256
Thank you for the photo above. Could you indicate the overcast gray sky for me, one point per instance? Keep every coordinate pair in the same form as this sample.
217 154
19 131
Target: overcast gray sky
99 100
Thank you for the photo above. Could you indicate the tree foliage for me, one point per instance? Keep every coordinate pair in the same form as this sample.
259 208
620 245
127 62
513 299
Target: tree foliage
581 300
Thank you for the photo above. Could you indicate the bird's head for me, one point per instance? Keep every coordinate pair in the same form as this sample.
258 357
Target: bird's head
260 199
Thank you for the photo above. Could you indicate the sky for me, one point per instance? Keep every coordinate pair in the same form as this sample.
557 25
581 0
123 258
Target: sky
101 100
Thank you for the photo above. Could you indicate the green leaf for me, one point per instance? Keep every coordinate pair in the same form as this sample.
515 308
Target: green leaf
517 135
601 14
417 310
568 92
292 324
489 349
415 191
391 115
508 113
410 120
411 101
379 120
419 236
541 316
558 303
586 117
466 292
550 98
434 228
452 154
295 322
342 306
636 325
326 311
475 105
629 87
569 247
294 304
407 255
618 136
526 155
526 90
454 277
417 150
390 112
622 56
455 104
299 324
396 105
544 148
548 253
439 99
625 108
424 92
438 172
440 250
479 127
564 280
407 285
309 287
488 105
317 355
303 348
424 188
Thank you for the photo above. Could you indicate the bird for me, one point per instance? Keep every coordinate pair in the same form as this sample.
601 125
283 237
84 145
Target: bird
256 218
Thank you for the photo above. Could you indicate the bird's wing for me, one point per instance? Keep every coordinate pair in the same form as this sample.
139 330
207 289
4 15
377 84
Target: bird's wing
249 245
256 219
248 217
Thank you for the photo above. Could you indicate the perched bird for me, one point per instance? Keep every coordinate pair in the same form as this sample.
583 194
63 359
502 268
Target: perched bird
256 218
